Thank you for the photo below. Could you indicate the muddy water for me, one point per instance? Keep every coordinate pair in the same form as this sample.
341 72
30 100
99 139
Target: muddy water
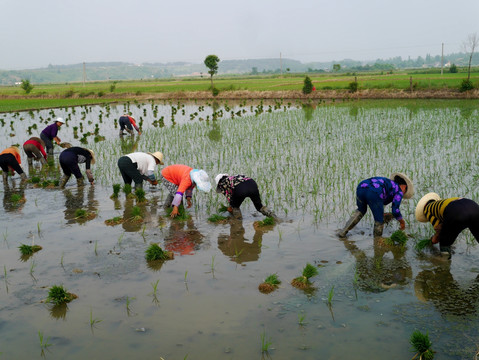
207 304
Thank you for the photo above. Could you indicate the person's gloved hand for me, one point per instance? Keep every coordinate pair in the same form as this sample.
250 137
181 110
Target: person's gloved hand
402 224
230 209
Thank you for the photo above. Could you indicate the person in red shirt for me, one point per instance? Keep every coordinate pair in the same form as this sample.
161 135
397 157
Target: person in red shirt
128 123
35 150
10 160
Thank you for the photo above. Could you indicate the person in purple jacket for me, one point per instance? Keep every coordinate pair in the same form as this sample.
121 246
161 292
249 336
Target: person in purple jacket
376 192
49 134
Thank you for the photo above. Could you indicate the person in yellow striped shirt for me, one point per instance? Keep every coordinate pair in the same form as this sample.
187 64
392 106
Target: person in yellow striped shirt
448 217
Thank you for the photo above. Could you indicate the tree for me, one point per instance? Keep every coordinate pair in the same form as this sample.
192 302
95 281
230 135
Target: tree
453 69
26 86
308 86
211 63
469 46
336 67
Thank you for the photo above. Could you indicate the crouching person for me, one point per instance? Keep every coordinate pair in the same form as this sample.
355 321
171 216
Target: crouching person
10 160
35 150
139 166
69 160
236 188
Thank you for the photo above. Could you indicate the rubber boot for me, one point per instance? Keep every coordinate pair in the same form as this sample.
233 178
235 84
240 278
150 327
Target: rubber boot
121 132
80 182
23 176
130 131
237 213
356 216
168 201
5 177
30 161
378 229
266 211
43 161
138 186
63 181
445 252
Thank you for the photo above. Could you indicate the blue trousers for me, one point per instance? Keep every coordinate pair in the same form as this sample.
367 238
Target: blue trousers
365 198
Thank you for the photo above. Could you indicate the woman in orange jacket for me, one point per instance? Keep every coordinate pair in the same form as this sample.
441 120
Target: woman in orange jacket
10 160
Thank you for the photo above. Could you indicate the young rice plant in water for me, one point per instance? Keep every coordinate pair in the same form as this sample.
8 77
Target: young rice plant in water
421 345
58 295
155 252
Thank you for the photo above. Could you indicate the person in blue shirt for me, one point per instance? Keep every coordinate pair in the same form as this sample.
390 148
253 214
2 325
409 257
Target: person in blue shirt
376 192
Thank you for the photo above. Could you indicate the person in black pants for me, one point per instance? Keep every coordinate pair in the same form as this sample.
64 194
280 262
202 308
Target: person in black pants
69 160
10 160
448 217
236 188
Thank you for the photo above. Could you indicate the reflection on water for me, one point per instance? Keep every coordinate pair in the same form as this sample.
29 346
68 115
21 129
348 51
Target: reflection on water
183 237
379 273
237 247
59 312
14 197
75 200
450 297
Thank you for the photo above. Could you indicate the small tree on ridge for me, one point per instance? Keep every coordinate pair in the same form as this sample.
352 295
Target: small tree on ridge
211 62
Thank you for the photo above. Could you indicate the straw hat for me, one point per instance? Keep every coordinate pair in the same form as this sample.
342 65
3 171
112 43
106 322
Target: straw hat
422 204
217 181
158 156
93 159
60 120
410 187
200 178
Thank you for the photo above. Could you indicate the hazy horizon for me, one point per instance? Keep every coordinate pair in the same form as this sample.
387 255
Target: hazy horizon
58 32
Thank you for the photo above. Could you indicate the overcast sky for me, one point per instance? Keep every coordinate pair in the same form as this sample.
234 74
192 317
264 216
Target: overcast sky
36 33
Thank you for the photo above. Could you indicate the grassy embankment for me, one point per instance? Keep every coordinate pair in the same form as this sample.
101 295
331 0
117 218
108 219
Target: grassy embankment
328 86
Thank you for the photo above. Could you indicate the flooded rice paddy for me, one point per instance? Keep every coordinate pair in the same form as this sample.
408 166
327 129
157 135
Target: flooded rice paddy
205 304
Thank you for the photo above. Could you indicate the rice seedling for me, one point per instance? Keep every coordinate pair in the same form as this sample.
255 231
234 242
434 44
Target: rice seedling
265 343
59 295
183 215
398 237
39 227
127 189
26 250
270 284
268 221
44 344
140 195
422 244
136 214
186 274
128 304
61 259
32 267
421 345
222 208
93 321
96 246
5 277
155 252
216 218
302 282
330 295
120 239
80 213
15 198
114 221
301 318
116 191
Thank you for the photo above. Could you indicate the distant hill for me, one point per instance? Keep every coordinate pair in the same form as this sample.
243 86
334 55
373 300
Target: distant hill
103 71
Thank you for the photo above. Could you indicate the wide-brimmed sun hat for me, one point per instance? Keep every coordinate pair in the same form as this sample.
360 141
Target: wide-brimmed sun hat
200 178
420 216
93 159
60 120
217 181
410 187
158 156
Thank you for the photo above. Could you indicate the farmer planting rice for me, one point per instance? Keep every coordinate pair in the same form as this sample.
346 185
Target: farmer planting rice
10 160
69 160
448 217
128 123
35 150
181 180
49 134
376 192
237 188
139 166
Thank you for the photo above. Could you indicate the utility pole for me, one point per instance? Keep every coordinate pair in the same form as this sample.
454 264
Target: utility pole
281 64
442 59
84 74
